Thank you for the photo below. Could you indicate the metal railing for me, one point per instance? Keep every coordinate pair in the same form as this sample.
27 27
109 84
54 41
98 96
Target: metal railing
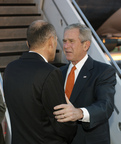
97 37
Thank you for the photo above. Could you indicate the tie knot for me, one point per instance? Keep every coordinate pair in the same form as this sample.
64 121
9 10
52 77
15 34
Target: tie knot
73 68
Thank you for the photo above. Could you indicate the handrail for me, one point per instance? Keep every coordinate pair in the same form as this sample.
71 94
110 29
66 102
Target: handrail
8 134
97 37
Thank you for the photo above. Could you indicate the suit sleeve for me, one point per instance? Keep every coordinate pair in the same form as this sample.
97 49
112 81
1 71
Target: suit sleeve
53 94
101 110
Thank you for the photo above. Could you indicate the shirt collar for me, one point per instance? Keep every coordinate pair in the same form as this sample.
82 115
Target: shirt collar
80 64
40 55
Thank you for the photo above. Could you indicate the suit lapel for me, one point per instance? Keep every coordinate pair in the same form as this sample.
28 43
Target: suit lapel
82 78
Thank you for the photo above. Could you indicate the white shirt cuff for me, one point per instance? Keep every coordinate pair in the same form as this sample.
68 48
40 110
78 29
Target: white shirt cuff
86 117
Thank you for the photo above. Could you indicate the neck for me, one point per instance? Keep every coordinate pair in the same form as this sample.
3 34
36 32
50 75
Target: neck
41 51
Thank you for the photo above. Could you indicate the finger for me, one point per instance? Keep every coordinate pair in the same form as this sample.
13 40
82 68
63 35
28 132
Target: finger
61 106
63 115
66 119
60 116
59 112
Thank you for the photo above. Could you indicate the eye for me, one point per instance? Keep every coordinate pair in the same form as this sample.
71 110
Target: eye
71 41
64 41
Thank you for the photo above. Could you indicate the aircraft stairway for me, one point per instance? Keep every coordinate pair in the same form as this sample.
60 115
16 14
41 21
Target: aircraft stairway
60 13
15 16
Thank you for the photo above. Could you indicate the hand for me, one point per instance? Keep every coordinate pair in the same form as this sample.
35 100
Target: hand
67 112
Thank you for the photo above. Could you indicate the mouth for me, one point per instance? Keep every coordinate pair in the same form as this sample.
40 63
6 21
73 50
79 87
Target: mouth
68 52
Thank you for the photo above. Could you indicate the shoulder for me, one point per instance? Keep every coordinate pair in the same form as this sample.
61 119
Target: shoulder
47 70
102 66
11 65
95 64
49 67
104 71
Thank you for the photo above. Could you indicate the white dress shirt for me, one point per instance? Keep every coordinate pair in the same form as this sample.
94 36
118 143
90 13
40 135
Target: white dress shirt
79 65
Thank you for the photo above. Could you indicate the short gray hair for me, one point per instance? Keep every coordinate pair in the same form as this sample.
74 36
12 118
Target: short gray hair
39 32
85 32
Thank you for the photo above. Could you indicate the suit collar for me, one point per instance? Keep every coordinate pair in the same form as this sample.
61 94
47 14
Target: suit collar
31 55
88 64
40 55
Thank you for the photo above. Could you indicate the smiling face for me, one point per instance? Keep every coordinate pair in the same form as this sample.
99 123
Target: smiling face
74 49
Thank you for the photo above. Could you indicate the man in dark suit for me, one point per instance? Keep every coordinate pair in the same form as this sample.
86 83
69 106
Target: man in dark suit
2 114
32 88
92 97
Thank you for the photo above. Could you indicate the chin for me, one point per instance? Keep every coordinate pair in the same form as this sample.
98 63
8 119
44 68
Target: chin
51 60
68 58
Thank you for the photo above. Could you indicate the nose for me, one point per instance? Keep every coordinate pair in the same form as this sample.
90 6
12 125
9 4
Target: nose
66 44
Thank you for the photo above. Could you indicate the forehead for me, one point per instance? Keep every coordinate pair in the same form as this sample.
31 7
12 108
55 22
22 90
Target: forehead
71 33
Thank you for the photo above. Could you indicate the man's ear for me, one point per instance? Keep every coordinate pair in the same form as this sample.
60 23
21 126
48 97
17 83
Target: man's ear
86 45
51 41
27 44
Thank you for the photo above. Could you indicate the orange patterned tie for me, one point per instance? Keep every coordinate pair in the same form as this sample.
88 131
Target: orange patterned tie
70 82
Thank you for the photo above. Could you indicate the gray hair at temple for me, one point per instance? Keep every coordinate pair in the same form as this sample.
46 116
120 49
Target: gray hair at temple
85 32
39 32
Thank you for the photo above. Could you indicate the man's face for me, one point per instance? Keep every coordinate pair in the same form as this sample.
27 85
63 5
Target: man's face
73 48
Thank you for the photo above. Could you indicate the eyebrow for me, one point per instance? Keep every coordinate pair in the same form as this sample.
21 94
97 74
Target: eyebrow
68 39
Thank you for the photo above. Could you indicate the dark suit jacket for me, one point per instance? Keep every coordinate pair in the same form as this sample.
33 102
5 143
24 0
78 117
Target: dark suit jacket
32 88
94 89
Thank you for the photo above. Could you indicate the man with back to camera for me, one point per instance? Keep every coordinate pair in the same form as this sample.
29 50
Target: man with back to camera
33 87
92 96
